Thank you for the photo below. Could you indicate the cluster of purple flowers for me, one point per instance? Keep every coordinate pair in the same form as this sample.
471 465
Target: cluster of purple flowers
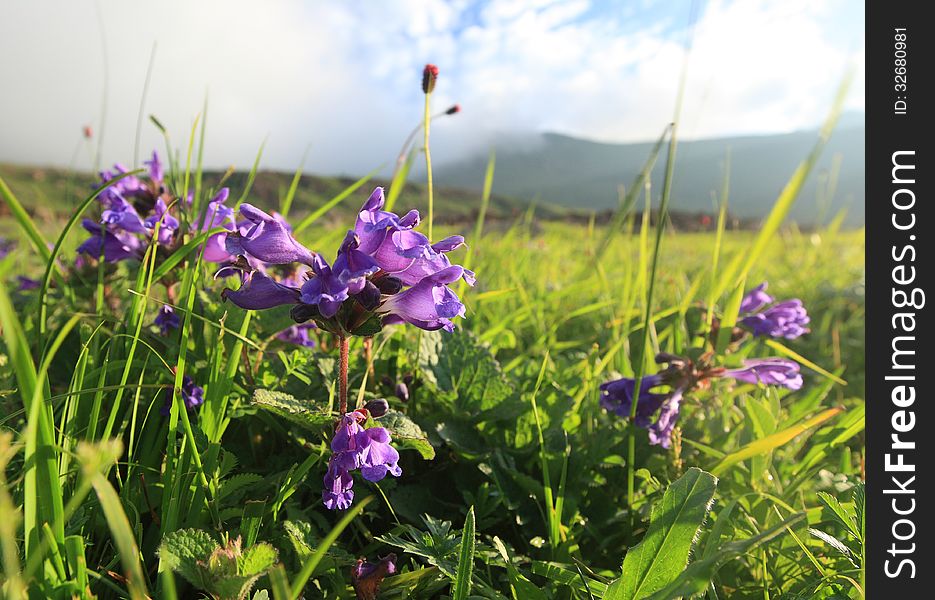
766 317
354 447
384 269
657 409
123 230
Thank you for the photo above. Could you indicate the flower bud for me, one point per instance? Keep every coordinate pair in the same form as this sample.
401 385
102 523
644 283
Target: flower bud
389 285
429 76
301 313
369 297
453 110
377 407
402 391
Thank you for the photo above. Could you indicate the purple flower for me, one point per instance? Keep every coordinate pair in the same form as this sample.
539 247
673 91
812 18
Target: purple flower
218 215
192 395
6 246
298 334
429 304
268 239
787 319
325 290
617 397
660 432
121 215
397 248
354 447
769 371
377 457
655 412
156 172
167 223
27 283
756 299
260 291
352 266
129 186
337 493
166 320
366 577
116 246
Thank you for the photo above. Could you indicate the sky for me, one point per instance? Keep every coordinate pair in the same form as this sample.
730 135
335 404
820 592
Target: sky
340 82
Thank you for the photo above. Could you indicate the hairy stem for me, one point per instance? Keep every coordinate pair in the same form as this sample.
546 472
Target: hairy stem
342 374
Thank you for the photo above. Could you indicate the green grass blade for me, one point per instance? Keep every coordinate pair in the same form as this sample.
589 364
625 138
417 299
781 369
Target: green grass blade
346 192
771 442
398 181
741 265
293 187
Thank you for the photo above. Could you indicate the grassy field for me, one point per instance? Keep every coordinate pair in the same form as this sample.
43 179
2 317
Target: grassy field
516 482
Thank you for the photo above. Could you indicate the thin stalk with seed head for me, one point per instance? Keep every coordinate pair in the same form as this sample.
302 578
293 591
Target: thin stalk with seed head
428 158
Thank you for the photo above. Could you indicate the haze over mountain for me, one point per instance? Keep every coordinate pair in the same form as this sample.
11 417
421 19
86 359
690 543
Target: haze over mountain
586 174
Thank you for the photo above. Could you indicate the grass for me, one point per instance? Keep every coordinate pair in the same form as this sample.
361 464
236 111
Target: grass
501 430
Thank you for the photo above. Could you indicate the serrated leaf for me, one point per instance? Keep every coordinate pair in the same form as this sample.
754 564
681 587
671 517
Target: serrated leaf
406 433
237 482
182 550
300 412
458 363
257 559
663 553
840 513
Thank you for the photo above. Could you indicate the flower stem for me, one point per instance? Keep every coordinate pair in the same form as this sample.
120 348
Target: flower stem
427 120
342 375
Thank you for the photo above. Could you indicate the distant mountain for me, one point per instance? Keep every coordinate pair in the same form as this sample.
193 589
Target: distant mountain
585 174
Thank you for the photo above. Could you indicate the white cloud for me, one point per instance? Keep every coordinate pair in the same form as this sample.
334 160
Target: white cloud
345 77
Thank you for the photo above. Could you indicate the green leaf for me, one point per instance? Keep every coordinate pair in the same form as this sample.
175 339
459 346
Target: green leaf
841 515
300 412
663 553
520 585
462 584
406 434
458 363
697 577
257 559
182 550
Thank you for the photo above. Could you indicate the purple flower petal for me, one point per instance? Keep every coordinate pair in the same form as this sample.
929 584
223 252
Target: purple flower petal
769 371
269 239
259 291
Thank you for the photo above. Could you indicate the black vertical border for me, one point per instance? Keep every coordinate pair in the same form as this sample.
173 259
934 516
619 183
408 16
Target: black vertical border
889 132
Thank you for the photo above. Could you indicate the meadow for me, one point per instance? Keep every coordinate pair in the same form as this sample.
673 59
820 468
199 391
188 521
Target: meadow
179 453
